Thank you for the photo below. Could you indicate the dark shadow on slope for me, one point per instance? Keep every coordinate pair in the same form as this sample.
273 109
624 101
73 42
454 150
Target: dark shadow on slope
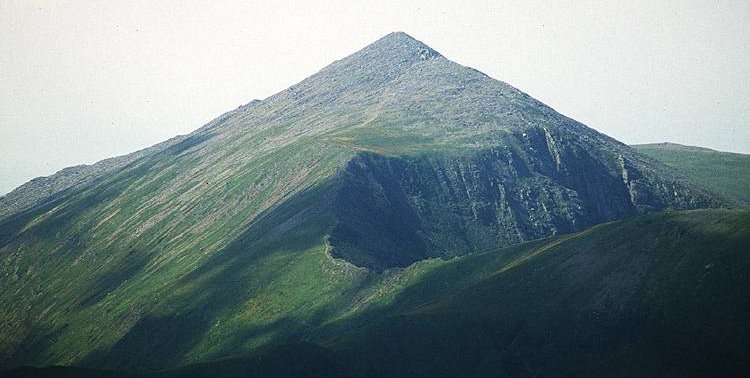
292 360
37 338
65 372
289 360
376 227
662 295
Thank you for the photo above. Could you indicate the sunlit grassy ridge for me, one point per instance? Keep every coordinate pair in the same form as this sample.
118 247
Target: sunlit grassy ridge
723 172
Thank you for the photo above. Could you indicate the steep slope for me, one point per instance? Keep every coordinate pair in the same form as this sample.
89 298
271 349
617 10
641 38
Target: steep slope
725 173
291 360
223 241
658 295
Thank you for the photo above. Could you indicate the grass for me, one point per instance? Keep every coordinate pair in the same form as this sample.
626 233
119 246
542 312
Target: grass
656 295
725 173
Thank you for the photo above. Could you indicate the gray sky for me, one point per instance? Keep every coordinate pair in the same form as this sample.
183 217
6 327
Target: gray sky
85 80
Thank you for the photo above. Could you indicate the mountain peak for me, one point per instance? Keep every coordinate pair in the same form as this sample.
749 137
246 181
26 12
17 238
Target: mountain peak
400 37
403 45
364 72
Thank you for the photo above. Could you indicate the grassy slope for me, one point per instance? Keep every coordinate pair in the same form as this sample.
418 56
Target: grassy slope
122 256
725 173
660 295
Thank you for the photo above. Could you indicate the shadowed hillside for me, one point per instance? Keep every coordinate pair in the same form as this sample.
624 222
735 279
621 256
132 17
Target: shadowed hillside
661 295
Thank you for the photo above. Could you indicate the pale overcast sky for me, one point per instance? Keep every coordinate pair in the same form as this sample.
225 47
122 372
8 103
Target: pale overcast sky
85 80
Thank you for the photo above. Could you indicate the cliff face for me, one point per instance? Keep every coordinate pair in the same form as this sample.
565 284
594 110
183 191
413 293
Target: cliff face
395 210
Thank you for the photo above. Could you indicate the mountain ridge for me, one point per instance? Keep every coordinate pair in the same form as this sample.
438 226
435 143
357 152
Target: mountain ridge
724 173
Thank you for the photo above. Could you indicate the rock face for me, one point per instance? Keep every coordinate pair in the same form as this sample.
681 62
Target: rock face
393 211
386 157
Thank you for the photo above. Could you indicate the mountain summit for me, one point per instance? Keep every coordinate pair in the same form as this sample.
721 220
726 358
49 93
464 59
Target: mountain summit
301 208
397 46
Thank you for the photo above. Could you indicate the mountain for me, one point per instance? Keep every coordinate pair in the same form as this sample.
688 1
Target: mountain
292 213
725 173
658 295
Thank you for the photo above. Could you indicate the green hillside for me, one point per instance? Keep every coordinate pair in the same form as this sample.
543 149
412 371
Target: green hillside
725 173
663 295
660 295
